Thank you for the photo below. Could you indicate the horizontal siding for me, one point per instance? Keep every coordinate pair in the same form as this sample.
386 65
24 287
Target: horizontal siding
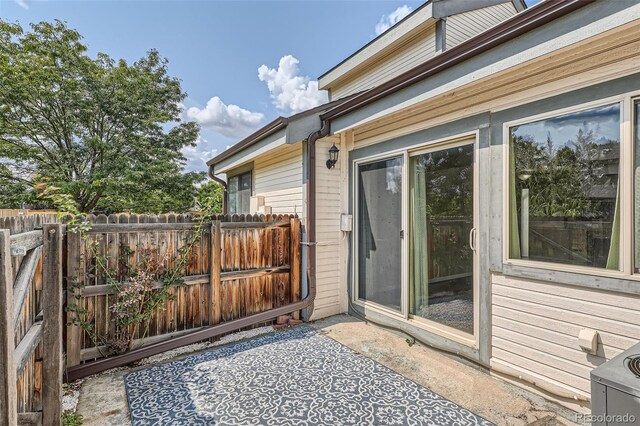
535 328
328 257
415 51
278 177
463 26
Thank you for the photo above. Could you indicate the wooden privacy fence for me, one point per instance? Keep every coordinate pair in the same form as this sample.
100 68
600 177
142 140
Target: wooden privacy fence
241 265
30 321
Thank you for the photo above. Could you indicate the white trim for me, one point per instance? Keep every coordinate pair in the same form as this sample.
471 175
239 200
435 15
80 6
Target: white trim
416 22
506 142
244 158
405 234
634 98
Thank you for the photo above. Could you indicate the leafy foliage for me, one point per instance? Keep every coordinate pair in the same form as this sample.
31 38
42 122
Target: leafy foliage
72 419
560 180
209 197
106 132
140 290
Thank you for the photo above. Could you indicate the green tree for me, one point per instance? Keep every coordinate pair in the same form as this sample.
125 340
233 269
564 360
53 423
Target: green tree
554 177
105 132
210 196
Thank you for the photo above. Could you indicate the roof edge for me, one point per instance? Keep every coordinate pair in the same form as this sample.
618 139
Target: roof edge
272 127
375 39
521 23
277 124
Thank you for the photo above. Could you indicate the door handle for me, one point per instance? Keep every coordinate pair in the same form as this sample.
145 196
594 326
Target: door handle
402 234
472 239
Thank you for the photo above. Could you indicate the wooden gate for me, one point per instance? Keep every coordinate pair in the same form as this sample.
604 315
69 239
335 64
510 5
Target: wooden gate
30 320
242 265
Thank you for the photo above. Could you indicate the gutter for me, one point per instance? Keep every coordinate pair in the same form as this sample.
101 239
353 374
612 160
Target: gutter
277 124
519 24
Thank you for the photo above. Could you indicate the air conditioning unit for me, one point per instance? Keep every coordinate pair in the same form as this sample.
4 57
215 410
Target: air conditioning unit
615 390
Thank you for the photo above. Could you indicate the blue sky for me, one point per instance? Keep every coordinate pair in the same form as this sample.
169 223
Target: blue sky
218 47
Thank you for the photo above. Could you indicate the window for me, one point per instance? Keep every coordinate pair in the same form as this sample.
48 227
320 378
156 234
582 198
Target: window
564 197
379 222
636 184
240 193
442 220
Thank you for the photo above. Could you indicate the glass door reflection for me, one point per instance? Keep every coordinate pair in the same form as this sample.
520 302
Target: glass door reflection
441 287
379 226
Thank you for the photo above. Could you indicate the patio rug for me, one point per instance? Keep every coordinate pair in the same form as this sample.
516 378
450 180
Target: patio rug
292 377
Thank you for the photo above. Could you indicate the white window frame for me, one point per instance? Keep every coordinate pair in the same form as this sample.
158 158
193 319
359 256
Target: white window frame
625 182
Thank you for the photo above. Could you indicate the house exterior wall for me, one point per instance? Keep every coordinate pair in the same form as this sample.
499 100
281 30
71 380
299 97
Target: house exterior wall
329 282
418 49
463 26
278 177
535 325
530 316
534 315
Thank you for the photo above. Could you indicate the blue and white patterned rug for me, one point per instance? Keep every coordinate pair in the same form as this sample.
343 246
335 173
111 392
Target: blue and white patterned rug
292 377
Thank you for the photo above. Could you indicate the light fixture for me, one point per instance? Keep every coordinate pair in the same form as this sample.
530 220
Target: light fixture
333 156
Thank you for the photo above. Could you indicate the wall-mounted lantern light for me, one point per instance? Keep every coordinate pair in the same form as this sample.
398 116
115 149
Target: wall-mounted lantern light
333 156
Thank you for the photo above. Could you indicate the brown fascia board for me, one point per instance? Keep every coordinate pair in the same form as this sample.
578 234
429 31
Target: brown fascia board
519 24
276 125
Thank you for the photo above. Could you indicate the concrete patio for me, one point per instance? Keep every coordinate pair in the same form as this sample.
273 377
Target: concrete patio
103 399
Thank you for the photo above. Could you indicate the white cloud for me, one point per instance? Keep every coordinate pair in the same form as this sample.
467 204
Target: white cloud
387 21
23 4
290 91
228 120
197 156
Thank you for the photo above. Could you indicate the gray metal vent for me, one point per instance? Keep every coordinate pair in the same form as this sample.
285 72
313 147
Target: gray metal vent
632 362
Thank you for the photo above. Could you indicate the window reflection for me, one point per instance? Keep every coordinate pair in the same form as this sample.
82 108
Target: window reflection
564 197
441 273
379 232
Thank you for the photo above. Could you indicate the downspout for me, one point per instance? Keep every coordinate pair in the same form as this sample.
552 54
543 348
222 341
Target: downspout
225 193
311 210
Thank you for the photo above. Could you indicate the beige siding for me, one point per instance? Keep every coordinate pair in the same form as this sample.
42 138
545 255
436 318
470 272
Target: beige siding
403 58
278 177
328 234
535 328
463 26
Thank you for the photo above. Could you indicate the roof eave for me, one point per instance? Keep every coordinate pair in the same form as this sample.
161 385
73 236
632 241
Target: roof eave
276 125
519 24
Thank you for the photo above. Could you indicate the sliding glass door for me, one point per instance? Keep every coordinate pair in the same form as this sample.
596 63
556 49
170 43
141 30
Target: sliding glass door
415 216
379 228
441 287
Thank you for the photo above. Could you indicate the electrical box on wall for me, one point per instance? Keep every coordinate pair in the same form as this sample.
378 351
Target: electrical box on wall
346 222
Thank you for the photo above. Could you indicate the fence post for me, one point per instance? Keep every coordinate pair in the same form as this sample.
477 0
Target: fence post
52 325
294 259
74 279
216 267
8 392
